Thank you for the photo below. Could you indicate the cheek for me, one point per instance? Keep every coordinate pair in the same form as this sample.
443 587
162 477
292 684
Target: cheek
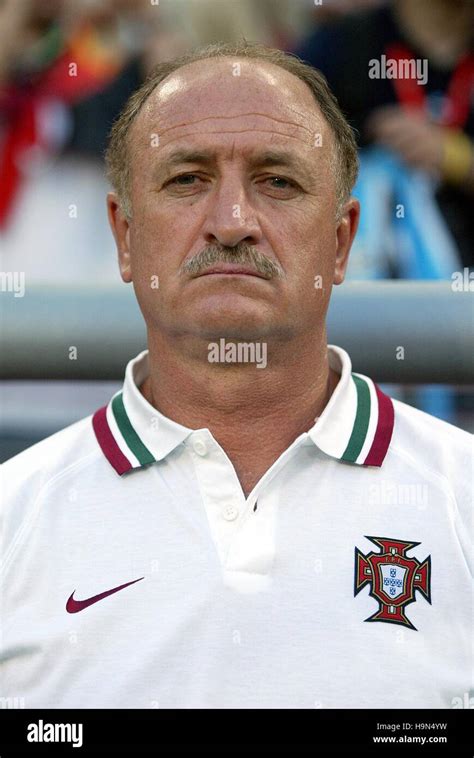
146 256
166 226
159 242
153 235
306 246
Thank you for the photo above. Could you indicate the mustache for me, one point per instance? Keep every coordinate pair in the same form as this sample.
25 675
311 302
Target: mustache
241 253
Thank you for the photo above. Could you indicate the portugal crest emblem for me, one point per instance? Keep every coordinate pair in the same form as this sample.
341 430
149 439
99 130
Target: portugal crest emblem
393 578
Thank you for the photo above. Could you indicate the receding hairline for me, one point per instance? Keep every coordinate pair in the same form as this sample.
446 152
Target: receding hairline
312 101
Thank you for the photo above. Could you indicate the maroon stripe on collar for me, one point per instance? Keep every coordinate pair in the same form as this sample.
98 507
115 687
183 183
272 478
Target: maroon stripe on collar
107 442
383 433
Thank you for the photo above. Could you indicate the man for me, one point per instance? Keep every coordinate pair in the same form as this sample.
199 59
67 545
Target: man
219 534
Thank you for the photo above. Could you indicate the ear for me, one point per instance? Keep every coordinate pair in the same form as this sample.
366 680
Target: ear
345 233
120 227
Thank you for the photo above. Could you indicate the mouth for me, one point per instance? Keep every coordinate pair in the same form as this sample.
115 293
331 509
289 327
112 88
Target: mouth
232 269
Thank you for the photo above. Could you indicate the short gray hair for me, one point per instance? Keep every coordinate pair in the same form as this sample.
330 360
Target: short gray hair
346 163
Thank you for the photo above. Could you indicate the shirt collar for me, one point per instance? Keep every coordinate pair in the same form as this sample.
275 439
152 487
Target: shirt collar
357 423
355 426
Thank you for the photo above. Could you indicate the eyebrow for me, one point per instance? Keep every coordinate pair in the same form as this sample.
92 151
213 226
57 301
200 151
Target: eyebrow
268 158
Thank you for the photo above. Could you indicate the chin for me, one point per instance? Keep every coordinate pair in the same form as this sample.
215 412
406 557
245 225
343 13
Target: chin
231 316
243 329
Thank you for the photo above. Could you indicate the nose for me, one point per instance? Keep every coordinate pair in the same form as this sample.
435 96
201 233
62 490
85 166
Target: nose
231 219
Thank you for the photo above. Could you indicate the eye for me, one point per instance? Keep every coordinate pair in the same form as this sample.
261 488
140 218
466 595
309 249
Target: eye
182 180
287 182
280 187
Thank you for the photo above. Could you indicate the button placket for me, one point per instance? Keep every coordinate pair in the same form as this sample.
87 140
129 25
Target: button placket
219 491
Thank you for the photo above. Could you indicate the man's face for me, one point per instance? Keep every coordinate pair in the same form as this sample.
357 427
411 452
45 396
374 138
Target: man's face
231 161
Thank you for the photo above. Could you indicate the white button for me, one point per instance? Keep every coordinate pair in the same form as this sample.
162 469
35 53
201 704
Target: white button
200 447
230 512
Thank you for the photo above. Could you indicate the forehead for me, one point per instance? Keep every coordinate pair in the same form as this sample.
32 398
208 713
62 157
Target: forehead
235 96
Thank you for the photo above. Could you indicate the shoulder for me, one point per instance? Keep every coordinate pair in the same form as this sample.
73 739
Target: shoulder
28 478
429 438
52 456
438 451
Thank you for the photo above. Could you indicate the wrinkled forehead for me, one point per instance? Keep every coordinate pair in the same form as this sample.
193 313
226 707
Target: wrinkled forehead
219 95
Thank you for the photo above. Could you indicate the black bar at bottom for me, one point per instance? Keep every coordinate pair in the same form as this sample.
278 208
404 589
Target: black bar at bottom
145 732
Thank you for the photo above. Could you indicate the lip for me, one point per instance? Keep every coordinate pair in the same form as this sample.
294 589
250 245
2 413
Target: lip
232 268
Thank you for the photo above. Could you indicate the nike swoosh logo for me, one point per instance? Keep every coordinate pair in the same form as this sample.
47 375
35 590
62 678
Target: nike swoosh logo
74 606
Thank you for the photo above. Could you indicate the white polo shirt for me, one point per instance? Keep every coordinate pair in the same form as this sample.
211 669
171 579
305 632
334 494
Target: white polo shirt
136 574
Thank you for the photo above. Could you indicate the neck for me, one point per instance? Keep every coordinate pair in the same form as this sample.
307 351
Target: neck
254 414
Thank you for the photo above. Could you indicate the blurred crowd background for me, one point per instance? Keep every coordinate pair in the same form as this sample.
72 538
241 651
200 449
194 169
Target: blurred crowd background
415 142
